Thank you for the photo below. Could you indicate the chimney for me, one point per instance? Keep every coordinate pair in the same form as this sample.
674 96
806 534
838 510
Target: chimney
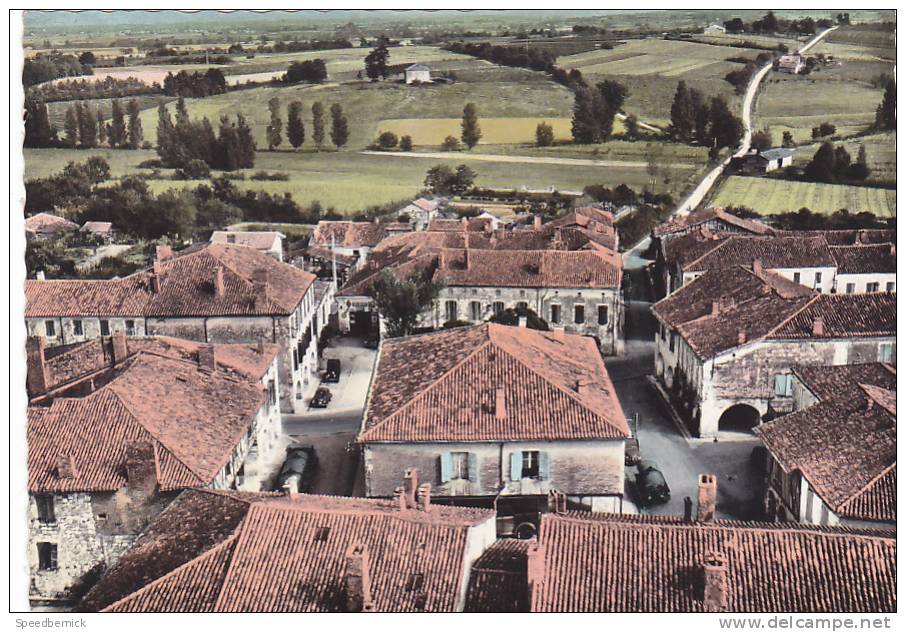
756 267
500 404
142 467
218 281
39 275
556 502
155 282
465 223
400 493
207 358
164 253
707 497
411 487
37 375
818 327
713 570
66 467
358 580
118 342
687 509
715 308
741 337
534 568
260 278
291 487
260 347
523 321
537 222
424 497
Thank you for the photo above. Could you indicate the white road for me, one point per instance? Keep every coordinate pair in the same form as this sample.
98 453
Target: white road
698 194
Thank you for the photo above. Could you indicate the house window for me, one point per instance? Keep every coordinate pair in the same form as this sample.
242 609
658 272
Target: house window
271 393
50 328
797 277
451 310
46 514
105 327
295 359
602 314
579 316
130 327
817 280
872 287
530 465
475 308
521 306
498 307
850 288
891 287
462 466
672 341
47 556
77 328
783 385
521 293
460 462
885 352
555 314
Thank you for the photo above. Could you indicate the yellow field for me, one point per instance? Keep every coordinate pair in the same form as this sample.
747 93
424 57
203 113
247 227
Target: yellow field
494 131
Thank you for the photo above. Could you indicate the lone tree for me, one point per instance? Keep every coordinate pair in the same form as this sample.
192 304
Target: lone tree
317 123
295 128
376 61
339 128
401 302
275 127
444 180
544 134
471 132
136 135
682 114
406 143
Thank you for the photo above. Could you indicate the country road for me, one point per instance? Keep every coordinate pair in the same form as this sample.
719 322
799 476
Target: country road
698 194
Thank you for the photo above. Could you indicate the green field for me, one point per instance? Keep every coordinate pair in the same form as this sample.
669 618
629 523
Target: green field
769 197
494 131
880 150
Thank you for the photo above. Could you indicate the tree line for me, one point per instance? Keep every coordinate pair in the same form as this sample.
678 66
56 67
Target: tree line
708 122
82 89
195 84
295 126
769 24
85 127
188 145
49 67
531 57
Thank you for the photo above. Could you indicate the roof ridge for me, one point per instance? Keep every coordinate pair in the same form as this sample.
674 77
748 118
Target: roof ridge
790 317
192 562
865 487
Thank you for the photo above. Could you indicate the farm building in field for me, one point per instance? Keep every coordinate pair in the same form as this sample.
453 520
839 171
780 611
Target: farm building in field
117 427
338 555
793 63
727 342
493 411
418 73
101 229
268 242
833 460
757 162
49 225
715 29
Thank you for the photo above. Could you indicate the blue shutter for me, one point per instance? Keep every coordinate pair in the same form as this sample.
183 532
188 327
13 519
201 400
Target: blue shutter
779 386
473 467
544 466
446 467
516 466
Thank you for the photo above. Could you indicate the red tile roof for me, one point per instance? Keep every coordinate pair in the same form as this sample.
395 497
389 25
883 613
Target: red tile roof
773 252
846 448
258 239
476 224
498 580
194 419
531 268
347 234
270 560
825 382
843 316
101 228
186 288
49 223
880 258
444 387
595 564
850 237
706 215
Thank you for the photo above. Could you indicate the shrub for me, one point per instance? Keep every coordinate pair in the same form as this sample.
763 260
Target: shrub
387 140
275 176
406 143
451 143
194 170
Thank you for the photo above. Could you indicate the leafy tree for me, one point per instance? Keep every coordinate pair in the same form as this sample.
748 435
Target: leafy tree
450 143
631 127
761 140
317 123
88 127
702 116
614 94
275 127
471 131
822 167
295 128
735 25
339 128
87 58
387 140
400 302
544 135
406 143
788 140
312 70
38 130
376 61
584 127
136 135
886 115
824 129
725 128
682 114
859 170
117 133
442 179
102 128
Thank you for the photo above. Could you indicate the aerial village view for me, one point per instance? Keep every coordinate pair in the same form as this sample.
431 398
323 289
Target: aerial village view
576 311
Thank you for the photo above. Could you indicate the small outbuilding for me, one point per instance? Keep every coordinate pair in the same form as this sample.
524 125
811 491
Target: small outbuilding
418 73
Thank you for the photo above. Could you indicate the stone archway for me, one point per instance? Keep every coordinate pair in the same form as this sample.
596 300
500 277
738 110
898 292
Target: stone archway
739 418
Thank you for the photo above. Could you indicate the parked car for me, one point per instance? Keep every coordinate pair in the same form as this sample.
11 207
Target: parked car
633 455
298 469
322 398
650 485
332 374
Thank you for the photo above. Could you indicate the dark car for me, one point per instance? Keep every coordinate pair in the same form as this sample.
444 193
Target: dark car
321 398
650 484
298 469
633 455
332 374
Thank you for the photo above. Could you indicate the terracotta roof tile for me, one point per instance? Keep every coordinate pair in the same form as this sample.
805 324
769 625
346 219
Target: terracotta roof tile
773 252
258 239
706 215
271 560
850 237
843 316
128 296
102 228
49 223
443 387
498 581
477 224
825 382
862 259
347 234
602 565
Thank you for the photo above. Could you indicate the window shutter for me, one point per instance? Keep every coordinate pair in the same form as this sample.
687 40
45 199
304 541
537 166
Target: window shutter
473 467
516 466
779 387
544 466
446 467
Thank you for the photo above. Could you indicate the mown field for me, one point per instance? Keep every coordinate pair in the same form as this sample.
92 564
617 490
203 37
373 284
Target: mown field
768 196
494 131
349 181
